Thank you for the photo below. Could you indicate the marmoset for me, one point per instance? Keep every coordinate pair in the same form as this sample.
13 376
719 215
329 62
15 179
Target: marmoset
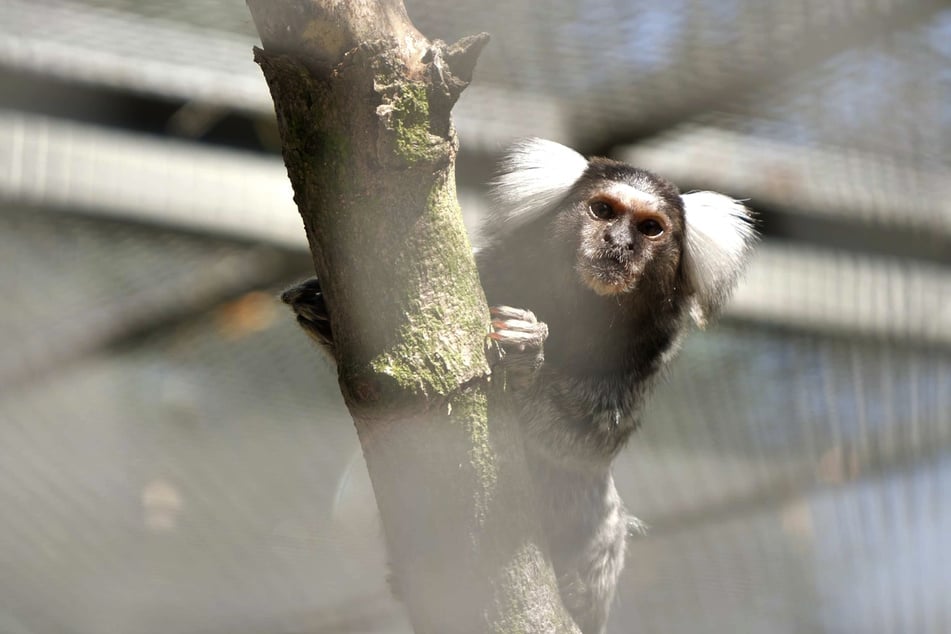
594 270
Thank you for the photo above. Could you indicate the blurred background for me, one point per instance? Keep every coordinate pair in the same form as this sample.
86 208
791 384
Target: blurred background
175 458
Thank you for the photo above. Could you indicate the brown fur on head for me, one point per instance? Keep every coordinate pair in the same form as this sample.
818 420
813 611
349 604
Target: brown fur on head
629 226
611 208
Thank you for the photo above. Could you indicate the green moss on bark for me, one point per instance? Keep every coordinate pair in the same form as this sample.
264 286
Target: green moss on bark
470 407
420 361
410 120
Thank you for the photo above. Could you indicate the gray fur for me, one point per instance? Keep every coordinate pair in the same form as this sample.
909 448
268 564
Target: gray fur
615 318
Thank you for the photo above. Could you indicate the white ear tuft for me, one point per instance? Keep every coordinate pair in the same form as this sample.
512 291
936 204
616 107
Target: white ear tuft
535 175
719 234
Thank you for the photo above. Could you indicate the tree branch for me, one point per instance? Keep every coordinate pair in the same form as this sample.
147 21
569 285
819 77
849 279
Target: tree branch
363 103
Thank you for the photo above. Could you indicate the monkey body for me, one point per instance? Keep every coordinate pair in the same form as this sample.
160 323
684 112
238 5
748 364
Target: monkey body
607 264
617 263
603 351
603 348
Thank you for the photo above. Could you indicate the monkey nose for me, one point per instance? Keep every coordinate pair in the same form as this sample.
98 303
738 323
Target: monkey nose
622 240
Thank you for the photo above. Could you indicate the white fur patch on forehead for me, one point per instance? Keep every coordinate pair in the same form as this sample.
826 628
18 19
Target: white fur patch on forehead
719 235
630 195
535 175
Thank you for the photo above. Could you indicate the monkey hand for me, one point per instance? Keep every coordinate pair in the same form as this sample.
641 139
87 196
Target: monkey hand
520 337
307 301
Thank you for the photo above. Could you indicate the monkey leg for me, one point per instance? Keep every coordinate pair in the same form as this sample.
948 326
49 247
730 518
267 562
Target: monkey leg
307 302
588 557
589 589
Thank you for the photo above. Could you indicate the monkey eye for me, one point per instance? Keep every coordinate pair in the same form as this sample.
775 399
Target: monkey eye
650 228
602 210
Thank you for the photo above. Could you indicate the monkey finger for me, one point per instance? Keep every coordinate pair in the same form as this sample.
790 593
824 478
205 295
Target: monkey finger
307 301
302 292
518 338
319 331
507 312
312 312
516 324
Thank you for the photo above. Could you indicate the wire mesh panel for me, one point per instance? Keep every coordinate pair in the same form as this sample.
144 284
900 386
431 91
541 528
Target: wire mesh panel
185 483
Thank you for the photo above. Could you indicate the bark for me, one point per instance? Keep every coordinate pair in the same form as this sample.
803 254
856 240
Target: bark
363 103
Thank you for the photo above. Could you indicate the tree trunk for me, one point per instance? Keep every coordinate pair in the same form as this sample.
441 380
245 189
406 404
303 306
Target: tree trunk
363 103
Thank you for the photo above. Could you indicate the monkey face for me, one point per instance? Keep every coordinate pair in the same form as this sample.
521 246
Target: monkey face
621 231
630 233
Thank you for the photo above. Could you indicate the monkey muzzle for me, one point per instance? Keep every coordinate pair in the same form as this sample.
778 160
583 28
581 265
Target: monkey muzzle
612 271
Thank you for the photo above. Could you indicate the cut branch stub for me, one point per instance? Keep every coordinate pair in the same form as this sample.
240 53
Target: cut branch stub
324 31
